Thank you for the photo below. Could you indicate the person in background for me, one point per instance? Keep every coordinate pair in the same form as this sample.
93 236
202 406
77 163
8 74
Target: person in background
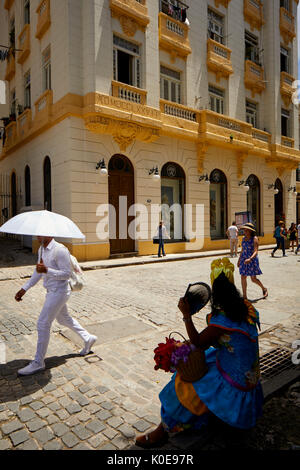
232 233
298 230
248 262
292 232
280 235
161 234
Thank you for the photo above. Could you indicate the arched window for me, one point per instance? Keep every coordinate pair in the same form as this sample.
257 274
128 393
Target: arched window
278 202
218 204
253 200
27 186
13 185
47 184
173 194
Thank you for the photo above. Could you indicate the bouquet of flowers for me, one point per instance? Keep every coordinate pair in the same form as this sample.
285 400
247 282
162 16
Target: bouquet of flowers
183 357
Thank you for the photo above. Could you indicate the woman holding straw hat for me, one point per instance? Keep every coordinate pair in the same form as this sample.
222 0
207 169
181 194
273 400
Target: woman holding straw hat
230 389
248 262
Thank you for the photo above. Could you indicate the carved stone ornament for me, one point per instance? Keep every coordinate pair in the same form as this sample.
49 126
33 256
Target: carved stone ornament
129 26
124 133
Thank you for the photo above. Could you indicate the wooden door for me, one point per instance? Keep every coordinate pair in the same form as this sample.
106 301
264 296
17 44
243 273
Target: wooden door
121 183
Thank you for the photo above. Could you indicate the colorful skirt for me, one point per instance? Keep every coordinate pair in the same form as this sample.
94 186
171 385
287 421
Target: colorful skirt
235 407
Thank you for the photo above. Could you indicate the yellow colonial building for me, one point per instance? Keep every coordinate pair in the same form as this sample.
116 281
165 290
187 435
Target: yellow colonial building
181 102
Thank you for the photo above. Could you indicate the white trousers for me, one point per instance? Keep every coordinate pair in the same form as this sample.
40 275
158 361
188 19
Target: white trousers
55 307
234 242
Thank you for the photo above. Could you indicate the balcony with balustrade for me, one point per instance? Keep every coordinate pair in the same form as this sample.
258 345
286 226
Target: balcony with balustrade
173 29
132 14
11 135
286 87
129 93
219 59
287 142
10 67
261 141
24 123
43 19
287 25
24 44
253 13
254 77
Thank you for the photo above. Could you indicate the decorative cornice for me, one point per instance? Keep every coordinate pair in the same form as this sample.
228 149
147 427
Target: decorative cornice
124 133
131 14
127 121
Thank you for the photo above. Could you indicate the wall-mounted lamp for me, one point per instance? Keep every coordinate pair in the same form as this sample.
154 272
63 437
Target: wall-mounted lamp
102 166
272 186
231 138
293 188
245 187
155 173
204 178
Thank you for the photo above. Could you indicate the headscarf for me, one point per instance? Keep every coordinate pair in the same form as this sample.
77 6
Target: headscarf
222 265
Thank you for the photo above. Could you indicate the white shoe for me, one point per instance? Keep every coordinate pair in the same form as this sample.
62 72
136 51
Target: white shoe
32 368
88 345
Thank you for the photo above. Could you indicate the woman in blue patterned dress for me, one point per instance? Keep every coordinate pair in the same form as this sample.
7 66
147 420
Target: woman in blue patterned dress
230 389
248 261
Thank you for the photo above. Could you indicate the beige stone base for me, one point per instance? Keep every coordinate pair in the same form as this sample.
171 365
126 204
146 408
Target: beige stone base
94 252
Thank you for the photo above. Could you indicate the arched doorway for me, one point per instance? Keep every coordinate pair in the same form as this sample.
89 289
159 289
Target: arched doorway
173 192
27 186
253 200
47 184
121 183
278 202
13 185
218 204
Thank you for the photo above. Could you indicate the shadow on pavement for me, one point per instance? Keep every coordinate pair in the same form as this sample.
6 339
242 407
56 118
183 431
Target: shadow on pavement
13 254
13 386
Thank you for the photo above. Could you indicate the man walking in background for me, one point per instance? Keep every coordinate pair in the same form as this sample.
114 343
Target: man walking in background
54 266
232 233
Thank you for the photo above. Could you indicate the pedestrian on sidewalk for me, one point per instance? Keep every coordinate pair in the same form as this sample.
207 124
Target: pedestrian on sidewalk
248 262
54 265
230 389
232 233
161 235
298 247
292 232
280 236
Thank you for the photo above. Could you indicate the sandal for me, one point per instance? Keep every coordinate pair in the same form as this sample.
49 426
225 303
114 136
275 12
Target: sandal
265 293
147 442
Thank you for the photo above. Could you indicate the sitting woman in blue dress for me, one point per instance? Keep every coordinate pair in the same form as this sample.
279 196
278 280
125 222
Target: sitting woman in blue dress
230 389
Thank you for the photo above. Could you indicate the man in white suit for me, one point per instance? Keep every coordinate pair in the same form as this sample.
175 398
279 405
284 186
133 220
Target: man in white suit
54 266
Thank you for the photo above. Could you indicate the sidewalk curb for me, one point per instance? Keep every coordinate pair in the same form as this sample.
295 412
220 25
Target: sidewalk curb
89 266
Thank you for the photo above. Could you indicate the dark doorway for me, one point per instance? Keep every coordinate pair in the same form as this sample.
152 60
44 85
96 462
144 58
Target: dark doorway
13 194
47 185
121 183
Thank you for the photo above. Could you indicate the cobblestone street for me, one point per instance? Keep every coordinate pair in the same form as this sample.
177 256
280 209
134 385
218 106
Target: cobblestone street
102 401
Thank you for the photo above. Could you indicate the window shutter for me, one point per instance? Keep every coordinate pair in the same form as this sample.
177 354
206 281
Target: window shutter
115 61
138 73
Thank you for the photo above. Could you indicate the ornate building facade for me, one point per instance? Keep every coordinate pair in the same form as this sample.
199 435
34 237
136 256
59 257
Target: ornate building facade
196 92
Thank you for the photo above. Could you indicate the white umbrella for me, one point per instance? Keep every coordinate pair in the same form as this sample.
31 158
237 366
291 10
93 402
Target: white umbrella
42 223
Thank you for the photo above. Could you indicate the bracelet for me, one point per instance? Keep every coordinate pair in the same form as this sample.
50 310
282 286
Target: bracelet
186 319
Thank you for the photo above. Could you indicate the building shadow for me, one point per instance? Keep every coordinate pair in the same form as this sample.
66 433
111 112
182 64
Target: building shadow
14 387
13 254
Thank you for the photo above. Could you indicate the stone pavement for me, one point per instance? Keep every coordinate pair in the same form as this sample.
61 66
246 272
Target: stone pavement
101 401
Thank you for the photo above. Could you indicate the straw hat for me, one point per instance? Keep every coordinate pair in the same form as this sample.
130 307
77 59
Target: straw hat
248 226
197 295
